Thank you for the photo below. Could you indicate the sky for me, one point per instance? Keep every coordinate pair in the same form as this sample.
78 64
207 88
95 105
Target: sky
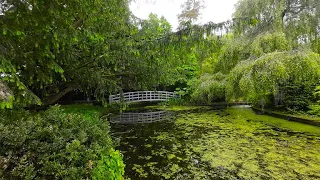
215 10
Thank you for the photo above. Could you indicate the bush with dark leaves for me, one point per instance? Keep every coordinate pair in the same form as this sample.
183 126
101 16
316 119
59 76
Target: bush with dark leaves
56 145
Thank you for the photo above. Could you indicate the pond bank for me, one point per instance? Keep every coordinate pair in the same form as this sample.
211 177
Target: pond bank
289 117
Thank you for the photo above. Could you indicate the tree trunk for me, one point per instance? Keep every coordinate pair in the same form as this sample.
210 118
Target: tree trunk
5 92
280 14
55 97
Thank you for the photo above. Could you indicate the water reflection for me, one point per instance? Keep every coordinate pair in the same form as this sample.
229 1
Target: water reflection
134 118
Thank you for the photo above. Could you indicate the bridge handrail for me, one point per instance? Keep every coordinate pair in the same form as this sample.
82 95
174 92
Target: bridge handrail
143 92
143 96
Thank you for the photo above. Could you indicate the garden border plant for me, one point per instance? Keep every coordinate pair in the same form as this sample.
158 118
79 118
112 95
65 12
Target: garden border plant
56 145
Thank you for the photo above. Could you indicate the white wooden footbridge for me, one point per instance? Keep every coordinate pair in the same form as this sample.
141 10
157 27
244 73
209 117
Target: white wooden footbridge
143 96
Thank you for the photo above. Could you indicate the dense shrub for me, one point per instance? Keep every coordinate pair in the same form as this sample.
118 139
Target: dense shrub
209 89
297 96
56 145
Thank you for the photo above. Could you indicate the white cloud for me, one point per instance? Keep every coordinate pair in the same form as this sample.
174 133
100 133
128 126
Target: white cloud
215 11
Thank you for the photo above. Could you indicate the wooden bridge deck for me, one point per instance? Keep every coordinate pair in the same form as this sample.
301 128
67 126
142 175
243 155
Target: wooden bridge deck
142 96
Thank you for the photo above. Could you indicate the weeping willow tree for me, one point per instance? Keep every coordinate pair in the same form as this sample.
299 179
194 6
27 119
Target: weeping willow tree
270 51
273 58
260 81
209 89
243 48
298 19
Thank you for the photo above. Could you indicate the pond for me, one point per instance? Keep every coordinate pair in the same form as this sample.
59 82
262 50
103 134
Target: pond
233 143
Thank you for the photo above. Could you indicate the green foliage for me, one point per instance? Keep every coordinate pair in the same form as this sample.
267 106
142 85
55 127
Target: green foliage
256 16
87 111
315 108
208 89
263 70
109 167
297 17
232 52
191 11
6 98
97 47
268 43
256 80
55 145
52 48
174 102
297 96
317 93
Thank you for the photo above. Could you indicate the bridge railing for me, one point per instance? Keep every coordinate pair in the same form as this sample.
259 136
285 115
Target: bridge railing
133 118
140 96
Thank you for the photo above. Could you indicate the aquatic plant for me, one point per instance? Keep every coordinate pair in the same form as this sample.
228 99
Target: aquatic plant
230 144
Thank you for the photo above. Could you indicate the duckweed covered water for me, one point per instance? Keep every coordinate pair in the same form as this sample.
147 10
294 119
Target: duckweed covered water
220 144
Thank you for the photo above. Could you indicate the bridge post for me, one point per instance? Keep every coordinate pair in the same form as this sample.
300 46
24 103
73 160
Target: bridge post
110 98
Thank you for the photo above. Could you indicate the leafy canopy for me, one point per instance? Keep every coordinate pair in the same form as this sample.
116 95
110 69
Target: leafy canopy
50 48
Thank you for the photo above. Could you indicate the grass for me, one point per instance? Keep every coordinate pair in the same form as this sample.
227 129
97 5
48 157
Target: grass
88 111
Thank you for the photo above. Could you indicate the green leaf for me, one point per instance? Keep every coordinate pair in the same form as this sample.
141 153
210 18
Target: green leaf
18 33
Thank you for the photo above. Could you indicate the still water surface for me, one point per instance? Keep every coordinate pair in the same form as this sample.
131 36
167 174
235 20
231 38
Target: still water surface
233 143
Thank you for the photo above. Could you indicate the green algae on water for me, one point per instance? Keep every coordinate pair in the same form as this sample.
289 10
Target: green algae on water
215 144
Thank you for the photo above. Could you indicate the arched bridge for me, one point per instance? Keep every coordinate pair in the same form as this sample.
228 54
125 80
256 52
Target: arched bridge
142 96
